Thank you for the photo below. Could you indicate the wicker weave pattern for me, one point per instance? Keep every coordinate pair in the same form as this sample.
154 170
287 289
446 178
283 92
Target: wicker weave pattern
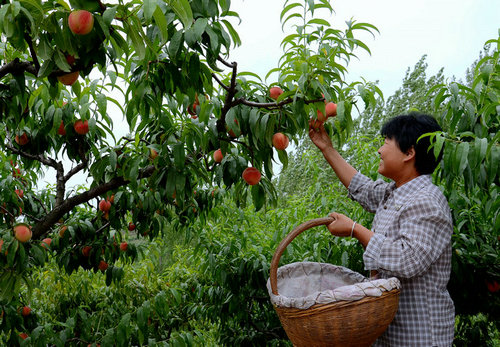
345 323
342 323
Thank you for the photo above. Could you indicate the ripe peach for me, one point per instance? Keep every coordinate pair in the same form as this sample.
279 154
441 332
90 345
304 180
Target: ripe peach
218 156
493 286
69 78
104 205
22 139
46 242
81 127
280 141
251 175
63 230
331 109
123 246
86 251
61 130
131 226
24 336
275 92
22 232
20 193
80 22
25 311
103 265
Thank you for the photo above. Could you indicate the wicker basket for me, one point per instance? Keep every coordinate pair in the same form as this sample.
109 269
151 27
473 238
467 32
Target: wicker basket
341 323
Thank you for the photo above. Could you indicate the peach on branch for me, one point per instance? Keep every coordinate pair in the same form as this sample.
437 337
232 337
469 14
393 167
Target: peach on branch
280 141
104 205
86 251
103 265
22 232
331 109
19 193
218 156
275 92
22 139
81 127
25 311
251 175
69 78
61 130
123 246
46 242
62 230
131 226
81 22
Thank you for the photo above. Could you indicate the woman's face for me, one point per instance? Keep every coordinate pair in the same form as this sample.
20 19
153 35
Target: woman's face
391 159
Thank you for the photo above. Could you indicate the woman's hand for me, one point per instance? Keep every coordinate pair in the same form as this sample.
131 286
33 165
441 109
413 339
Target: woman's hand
318 135
341 225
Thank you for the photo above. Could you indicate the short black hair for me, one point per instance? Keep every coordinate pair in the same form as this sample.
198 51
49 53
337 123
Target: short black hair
406 129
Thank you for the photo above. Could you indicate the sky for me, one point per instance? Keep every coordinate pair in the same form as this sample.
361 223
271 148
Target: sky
450 32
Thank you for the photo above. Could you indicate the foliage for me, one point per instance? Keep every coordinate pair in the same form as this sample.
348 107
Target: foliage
161 66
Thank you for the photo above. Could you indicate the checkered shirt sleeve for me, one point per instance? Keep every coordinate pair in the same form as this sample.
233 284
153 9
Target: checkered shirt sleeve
412 242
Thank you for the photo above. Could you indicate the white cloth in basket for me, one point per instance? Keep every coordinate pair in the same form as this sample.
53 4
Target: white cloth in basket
304 284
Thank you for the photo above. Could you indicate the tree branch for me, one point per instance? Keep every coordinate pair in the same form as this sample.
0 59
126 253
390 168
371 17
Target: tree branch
16 67
47 161
27 37
214 76
67 205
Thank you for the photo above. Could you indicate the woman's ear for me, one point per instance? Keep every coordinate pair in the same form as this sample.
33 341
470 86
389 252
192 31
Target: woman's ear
410 153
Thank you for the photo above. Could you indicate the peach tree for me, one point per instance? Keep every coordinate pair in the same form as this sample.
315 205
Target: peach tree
73 73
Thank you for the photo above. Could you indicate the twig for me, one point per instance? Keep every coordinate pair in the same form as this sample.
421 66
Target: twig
27 37
214 76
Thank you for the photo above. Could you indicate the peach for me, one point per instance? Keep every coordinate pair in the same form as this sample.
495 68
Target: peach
22 139
218 156
81 127
69 78
61 130
104 205
251 175
275 92
331 109
22 232
123 246
280 141
81 22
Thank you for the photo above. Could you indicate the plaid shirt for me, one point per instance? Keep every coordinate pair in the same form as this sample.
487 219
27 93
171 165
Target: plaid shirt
412 242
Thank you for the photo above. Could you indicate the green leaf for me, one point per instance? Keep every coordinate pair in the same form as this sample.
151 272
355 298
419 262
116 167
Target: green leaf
183 10
460 161
179 155
108 15
258 196
149 7
161 22
133 33
123 330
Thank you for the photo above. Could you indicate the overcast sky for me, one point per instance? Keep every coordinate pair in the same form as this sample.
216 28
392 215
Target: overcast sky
450 32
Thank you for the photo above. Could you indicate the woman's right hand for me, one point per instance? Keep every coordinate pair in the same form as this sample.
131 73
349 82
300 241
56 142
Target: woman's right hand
318 135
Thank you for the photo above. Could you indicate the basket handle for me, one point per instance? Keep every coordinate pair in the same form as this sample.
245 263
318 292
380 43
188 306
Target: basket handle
273 272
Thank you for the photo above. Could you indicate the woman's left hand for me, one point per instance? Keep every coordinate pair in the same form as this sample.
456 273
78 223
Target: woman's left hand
341 225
